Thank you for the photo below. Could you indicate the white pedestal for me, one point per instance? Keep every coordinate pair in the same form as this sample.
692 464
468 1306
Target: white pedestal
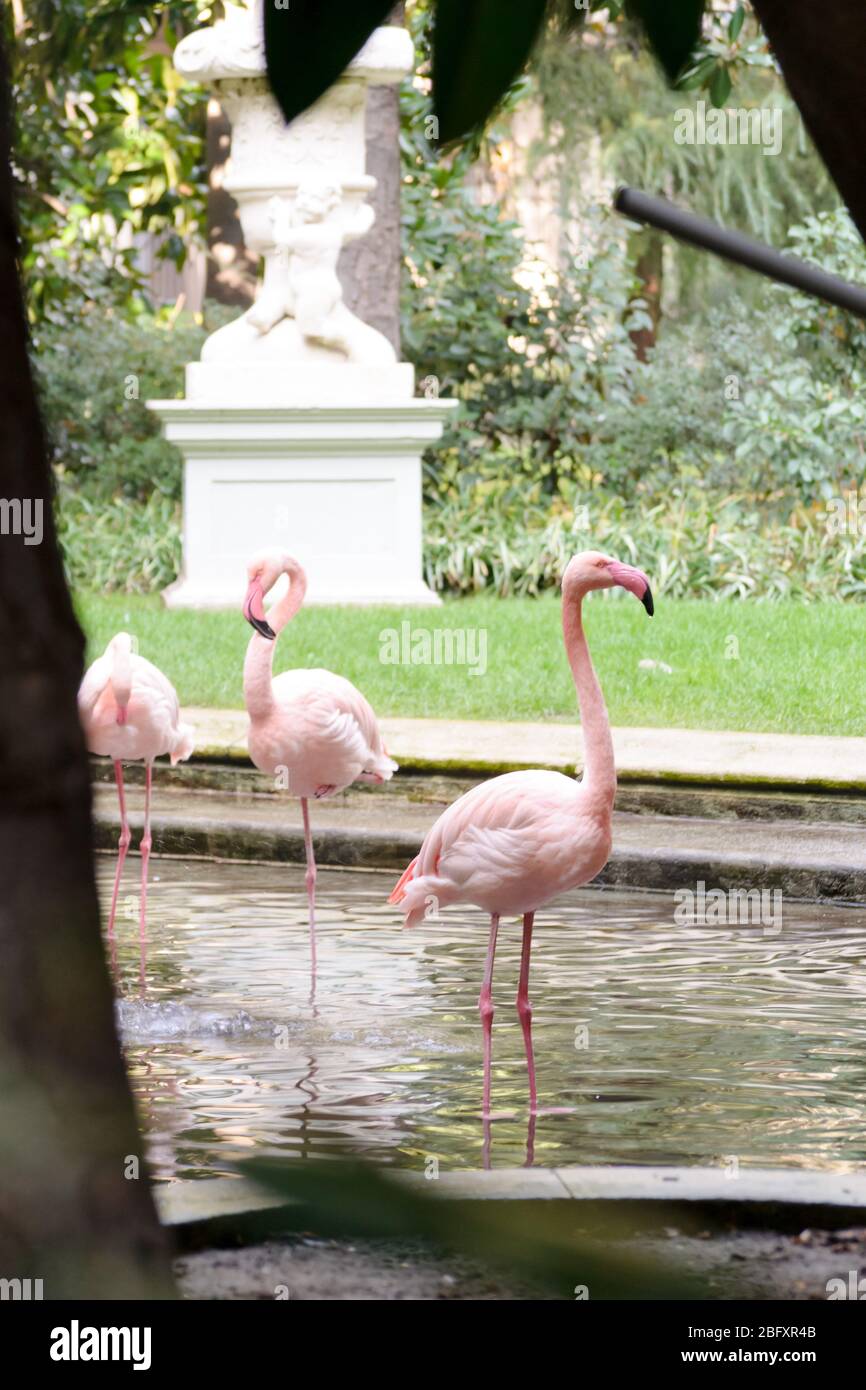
339 487
299 430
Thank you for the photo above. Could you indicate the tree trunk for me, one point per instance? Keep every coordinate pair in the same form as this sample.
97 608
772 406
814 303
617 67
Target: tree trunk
820 50
645 253
68 1213
232 272
369 268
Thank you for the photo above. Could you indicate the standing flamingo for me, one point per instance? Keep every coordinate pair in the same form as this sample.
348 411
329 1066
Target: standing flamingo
129 711
310 726
511 844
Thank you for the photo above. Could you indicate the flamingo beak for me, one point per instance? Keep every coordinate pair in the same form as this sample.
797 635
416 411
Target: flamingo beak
635 581
254 611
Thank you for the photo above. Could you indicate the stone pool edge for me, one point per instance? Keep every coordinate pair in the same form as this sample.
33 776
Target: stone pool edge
239 841
723 758
776 1199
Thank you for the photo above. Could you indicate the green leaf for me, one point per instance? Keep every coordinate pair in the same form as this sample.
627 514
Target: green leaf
720 87
479 48
311 42
672 27
736 23
697 76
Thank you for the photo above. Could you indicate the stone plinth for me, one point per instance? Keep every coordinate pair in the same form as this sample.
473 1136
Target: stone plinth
337 486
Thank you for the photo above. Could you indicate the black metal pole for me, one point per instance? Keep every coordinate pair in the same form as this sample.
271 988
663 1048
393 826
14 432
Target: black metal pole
742 250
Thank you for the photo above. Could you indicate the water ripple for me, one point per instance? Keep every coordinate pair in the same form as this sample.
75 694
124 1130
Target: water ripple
659 1042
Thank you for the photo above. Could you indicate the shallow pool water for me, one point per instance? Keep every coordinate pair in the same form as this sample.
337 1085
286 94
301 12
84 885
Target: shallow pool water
661 1043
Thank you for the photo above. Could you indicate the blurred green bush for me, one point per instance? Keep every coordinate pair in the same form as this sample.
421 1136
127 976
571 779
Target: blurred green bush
94 381
712 462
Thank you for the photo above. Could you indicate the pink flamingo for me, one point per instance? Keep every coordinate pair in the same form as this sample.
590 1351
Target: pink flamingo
130 712
511 844
310 726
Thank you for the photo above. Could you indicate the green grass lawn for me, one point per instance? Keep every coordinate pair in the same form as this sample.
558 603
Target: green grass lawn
755 666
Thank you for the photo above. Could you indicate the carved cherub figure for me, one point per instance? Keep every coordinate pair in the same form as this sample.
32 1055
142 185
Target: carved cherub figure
301 280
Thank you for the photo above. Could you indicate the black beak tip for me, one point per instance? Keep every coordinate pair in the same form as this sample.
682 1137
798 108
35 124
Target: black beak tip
647 601
262 627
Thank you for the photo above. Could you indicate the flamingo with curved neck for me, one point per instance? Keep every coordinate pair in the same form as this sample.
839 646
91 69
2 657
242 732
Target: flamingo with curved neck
310 728
512 844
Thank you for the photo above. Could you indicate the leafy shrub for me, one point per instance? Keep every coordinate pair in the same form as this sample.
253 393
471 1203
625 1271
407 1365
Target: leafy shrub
93 385
534 358
535 371
765 399
109 140
697 545
801 421
118 543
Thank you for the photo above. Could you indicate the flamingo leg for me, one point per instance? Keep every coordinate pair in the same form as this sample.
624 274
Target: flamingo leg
146 843
524 1008
485 1008
122 844
145 860
310 881
530 1140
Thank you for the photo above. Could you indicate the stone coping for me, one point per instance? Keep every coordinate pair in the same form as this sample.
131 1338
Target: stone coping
705 757
791 1193
382 828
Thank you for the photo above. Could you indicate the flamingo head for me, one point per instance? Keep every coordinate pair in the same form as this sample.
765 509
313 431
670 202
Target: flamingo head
263 571
594 570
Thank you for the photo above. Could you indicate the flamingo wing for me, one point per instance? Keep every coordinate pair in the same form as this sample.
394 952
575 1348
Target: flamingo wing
95 680
153 724
497 812
327 712
516 839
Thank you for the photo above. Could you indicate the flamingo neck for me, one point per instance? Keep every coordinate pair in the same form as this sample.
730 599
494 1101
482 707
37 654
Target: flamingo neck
121 669
283 612
259 661
258 677
599 772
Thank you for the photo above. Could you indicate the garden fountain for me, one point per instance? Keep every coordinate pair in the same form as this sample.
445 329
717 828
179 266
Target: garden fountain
299 428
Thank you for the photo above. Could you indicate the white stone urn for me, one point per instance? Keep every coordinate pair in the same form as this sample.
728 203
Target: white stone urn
299 428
